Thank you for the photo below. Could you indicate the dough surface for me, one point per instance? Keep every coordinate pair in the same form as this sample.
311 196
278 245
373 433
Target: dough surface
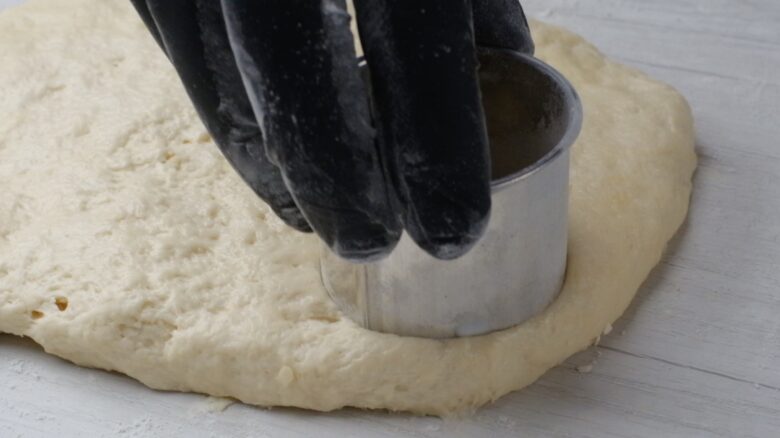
127 243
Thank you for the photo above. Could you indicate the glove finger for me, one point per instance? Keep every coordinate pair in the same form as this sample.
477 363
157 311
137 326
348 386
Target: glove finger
502 24
143 10
195 38
298 61
424 77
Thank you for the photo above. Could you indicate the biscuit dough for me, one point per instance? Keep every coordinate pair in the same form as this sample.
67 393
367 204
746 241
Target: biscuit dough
127 243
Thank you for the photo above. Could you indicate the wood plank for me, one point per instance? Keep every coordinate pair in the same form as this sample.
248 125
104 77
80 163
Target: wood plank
714 305
622 396
730 38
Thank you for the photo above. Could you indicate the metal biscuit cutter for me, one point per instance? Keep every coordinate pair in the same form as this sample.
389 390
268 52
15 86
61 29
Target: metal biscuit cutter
534 116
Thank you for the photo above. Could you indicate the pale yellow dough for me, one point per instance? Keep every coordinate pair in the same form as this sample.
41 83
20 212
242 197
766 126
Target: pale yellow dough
114 199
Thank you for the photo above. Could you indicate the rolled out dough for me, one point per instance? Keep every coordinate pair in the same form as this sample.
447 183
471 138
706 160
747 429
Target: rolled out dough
128 244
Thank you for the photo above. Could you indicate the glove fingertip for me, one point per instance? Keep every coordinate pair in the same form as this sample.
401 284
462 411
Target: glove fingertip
353 235
293 217
448 230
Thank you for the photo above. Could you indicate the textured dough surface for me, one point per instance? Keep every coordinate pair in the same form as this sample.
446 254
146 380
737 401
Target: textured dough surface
114 199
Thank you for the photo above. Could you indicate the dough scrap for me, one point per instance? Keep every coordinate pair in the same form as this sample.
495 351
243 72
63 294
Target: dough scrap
115 200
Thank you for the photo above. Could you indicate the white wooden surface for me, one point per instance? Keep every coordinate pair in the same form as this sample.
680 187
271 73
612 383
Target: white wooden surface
698 354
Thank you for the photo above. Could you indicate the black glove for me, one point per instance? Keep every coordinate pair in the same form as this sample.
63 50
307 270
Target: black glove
278 86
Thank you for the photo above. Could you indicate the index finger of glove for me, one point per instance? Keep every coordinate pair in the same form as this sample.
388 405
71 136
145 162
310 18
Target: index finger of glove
298 61
194 36
423 65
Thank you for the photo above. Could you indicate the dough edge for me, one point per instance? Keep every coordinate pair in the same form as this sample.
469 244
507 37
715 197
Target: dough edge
150 270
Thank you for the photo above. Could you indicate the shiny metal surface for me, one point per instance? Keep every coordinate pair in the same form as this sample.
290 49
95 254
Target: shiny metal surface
517 269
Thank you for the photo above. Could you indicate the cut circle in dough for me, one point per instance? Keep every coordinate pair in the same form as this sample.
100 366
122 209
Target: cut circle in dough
116 202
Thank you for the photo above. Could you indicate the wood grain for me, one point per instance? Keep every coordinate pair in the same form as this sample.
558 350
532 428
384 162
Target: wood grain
698 354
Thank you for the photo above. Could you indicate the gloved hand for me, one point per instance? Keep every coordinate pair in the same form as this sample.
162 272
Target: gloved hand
278 86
